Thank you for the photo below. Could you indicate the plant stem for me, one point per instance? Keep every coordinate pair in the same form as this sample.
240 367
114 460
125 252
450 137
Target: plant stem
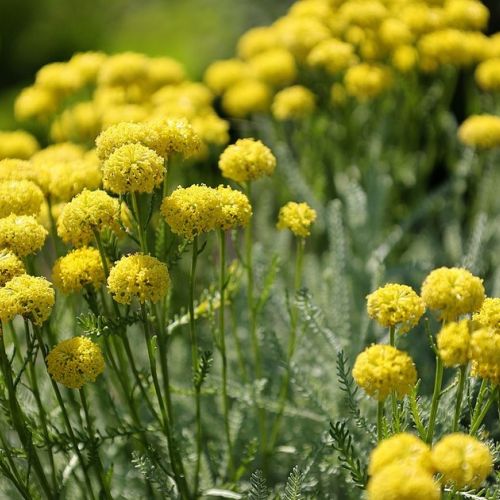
476 423
195 361
140 229
222 344
436 396
95 450
380 420
394 399
460 393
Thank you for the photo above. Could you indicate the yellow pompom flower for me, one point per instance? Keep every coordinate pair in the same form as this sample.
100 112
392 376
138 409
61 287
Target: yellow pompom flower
366 81
66 151
381 369
235 209
28 296
77 269
462 460
138 276
17 144
10 267
453 343
393 305
211 129
164 71
60 78
21 234
297 217
480 131
275 67
133 168
20 198
403 448
87 212
394 33
131 113
123 69
466 14
452 292
79 123
257 40
13 169
191 211
401 481
246 97
488 75
75 362
364 13
404 58
489 372
247 160
34 102
221 75
485 347
489 314
332 55
175 135
293 103
87 64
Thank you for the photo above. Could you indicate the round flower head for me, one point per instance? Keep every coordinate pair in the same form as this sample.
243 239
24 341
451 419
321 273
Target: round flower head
21 234
402 481
381 369
246 97
401 448
235 209
175 135
452 291
462 460
405 58
366 81
297 217
17 144
485 346
489 314
164 71
488 75
332 55
35 102
133 168
221 75
480 131
10 266
191 211
453 343
140 276
79 268
486 371
20 198
87 212
75 362
393 305
123 69
257 40
28 296
65 151
247 160
211 129
293 103
275 67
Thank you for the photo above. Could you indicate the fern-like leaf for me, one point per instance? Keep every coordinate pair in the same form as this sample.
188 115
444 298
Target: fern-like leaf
258 487
293 488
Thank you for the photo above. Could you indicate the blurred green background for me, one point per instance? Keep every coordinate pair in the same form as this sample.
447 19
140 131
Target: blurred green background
35 32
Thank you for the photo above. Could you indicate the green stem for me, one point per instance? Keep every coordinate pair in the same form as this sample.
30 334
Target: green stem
392 336
19 422
102 253
140 229
480 417
479 399
195 361
95 451
18 482
436 396
394 399
222 345
460 394
380 420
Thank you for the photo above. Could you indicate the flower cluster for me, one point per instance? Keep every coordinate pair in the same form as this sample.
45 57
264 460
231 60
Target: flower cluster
297 217
75 362
21 234
17 144
480 131
10 266
20 198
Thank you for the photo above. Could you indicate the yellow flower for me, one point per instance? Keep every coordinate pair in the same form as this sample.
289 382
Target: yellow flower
34 102
401 481
275 67
394 33
293 103
17 144
489 372
403 448
87 212
489 314
366 81
140 276
66 151
453 292
187 98
175 135
21 234
20 198
381 369
123 69
211 129
404 58
485 347
462 460
395 304
164 71
133 168
87 64
364 13
28 296
221 75
297 217
247 160
480 131
257 40
466 14
77 269
338 95
246 97
10 267
79 123
191 211
453 343
332 55
131 113
488 75
235 209
75 362
60 78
